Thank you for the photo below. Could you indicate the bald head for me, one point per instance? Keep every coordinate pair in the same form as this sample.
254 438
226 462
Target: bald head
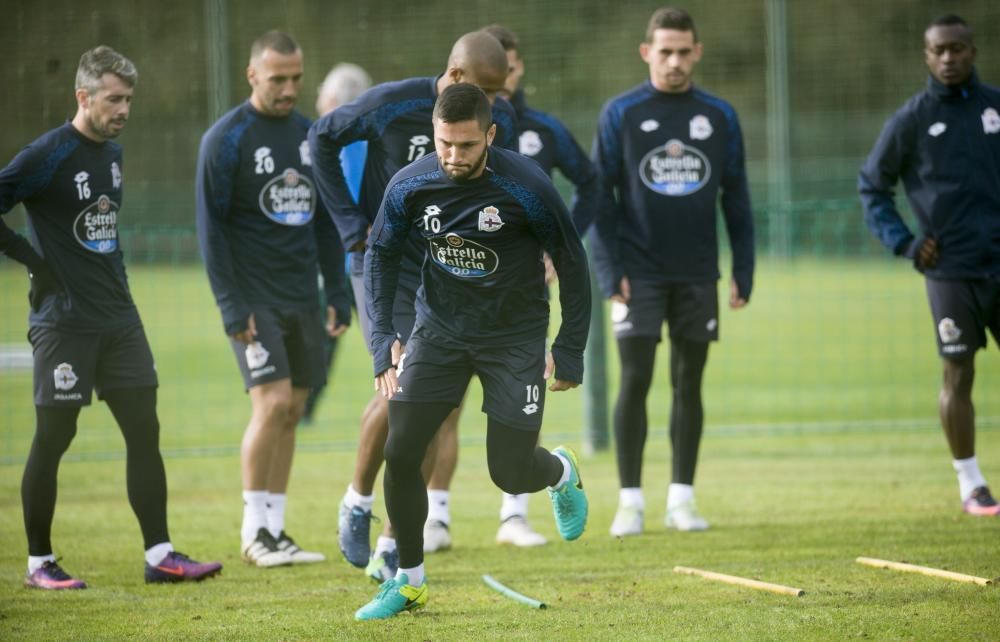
478 58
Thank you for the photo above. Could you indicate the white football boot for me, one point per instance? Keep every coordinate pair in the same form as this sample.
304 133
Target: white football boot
517 531
628 521
684 517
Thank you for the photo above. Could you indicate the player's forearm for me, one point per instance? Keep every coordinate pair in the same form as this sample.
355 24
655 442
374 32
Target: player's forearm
352 224
738 216
569 363
575 302
882 217
586 200
381 280
19 248
221 276
331 265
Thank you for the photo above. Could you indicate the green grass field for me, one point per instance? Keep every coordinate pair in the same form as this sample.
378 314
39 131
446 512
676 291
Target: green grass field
821 445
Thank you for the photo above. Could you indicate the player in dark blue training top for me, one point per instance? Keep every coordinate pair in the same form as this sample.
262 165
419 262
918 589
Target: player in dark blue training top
545 139
484 215
944 144
84 328
395 119
262 231
665 150
345 82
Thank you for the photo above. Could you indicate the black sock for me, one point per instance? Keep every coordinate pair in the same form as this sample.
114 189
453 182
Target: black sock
135 411
687 364
55 428
411 428
637 356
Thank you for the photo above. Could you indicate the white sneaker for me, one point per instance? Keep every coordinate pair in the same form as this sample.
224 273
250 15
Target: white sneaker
628 521
297 555
263 551
684 517
436 536
516 530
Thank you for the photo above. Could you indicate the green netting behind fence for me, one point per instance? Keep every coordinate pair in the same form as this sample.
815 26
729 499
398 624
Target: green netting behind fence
837 334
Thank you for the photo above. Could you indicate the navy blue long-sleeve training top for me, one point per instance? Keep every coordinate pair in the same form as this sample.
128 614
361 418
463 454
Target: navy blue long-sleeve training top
261 226
395 119
71 188
944 143
663 160
482 280
546 139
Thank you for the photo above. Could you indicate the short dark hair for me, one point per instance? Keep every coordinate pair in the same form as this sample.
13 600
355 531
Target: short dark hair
463 101
506 37
671 18
947 20
951 20
103 60
275 40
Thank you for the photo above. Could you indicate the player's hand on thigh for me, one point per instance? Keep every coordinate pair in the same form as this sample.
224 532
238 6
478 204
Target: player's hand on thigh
247 336
624 291
386 383
550 366
332 329
397 352
927 256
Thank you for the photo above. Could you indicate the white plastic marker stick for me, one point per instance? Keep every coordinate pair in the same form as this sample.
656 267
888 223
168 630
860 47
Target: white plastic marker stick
923 570
512 594
740 581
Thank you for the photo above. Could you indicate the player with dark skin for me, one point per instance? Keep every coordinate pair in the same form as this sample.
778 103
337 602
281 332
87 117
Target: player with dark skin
951 126
950 54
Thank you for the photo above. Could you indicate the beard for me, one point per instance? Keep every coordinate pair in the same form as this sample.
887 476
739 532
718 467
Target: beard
105 130
461 174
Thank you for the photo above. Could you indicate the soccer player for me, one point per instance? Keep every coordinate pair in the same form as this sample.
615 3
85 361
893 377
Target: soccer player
84 328
545 139
944 144
665 150
485 216
345 82
262 232
395 119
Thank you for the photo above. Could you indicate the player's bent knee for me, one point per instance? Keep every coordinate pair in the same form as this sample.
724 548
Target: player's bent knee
509 478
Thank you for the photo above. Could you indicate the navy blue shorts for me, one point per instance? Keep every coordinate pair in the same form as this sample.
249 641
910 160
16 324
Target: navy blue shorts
962 311
404 313
690 310
70 365
289 345
435 369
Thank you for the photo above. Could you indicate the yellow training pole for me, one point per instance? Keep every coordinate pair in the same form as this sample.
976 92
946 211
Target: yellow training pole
740 581
923 570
